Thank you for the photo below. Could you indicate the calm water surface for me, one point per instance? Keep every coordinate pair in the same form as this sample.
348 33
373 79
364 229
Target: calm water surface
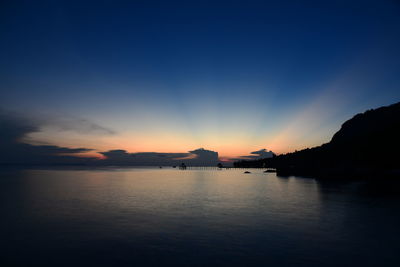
161 217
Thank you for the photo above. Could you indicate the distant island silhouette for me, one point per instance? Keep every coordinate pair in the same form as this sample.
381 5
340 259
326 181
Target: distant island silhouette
366 146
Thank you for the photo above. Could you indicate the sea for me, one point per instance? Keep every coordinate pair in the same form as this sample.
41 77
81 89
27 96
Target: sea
146 216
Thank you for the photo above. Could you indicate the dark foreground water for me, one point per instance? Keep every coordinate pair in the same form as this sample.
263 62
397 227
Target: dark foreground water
167 217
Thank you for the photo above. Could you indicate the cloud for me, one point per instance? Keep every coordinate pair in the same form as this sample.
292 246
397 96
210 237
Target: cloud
74 124
259 154
263 153
122 157
12 151
14 127
198 157
204 157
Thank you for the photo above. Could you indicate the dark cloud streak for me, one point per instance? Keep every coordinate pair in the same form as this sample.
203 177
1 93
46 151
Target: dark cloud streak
14 151
198 157
14 127
259 154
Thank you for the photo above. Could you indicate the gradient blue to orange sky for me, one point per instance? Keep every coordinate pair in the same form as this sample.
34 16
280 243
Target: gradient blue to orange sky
168 76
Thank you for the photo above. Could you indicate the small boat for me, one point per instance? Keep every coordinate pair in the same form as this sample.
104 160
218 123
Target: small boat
247 172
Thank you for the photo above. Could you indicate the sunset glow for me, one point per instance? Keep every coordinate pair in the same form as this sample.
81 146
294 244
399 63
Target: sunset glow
183 82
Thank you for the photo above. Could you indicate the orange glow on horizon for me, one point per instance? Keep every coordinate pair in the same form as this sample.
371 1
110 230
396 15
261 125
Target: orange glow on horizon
306 128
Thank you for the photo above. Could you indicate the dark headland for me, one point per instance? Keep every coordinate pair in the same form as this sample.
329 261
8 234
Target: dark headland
367 145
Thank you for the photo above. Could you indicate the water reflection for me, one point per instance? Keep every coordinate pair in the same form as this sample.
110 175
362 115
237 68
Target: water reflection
193 217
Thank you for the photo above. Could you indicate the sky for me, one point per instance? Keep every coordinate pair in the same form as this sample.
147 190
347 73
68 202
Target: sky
170 77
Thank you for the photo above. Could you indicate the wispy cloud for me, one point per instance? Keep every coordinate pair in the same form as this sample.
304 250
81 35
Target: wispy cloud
79 125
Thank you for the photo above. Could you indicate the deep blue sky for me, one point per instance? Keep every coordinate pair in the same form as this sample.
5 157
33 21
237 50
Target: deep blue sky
231 76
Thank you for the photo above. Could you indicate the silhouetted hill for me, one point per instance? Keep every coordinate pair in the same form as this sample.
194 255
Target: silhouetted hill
366 145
